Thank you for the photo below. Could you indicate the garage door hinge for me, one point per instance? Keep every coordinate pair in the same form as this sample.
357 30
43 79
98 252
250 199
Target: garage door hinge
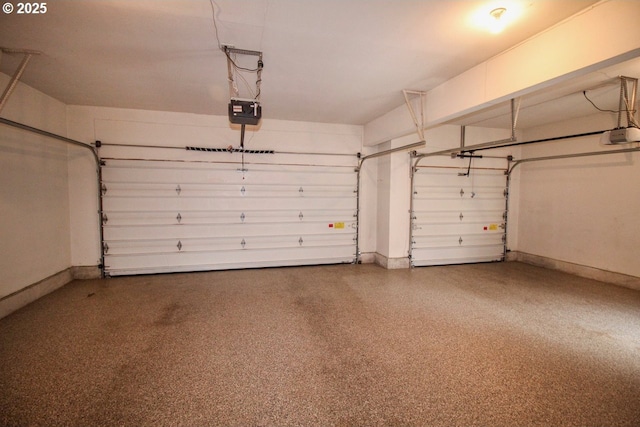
460 241
242 190
243 243
461 216
103 188
504 215
179 245
242 217
105 247
300 241
461 192
300 216
504 238
301 190
505 192
179 218
178 189
105 218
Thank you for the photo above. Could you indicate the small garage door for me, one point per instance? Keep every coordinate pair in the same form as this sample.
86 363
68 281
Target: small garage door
171 216
458 211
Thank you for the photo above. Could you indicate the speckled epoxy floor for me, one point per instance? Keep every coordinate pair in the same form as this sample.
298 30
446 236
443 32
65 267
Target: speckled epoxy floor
491 344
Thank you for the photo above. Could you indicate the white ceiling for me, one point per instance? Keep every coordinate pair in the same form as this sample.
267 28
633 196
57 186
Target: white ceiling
332 61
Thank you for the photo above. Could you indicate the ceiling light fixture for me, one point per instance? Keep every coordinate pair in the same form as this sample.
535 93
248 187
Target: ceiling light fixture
498 12
497 22
496 15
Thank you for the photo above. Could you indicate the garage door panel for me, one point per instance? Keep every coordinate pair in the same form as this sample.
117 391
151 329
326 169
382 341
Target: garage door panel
436 204
180 205
457 216
139 204
426 241
134 232
128 171
125 189
484 204
227 259
458 229
453 255
246 216
215 244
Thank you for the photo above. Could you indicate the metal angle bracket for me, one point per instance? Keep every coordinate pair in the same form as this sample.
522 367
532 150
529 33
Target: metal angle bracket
627 100
419 124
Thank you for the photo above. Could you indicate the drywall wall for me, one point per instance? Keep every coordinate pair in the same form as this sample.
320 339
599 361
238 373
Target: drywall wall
121 126
34 202
582 211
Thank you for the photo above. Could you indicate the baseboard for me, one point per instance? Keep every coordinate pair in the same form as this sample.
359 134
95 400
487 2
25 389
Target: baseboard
619 279
86 272
19 299
367 258
392 263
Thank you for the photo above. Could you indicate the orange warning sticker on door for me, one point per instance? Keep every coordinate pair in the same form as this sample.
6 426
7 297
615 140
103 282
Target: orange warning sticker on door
493 227
338 225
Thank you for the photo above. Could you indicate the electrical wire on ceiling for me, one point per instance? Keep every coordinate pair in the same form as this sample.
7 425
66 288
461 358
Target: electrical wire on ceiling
628 109
584 92
213 5
236 70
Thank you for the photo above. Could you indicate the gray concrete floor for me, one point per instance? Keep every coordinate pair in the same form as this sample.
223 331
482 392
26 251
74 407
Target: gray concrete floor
491 344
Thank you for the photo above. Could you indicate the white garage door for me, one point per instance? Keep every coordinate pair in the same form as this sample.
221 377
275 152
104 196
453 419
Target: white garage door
171 216
458 212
